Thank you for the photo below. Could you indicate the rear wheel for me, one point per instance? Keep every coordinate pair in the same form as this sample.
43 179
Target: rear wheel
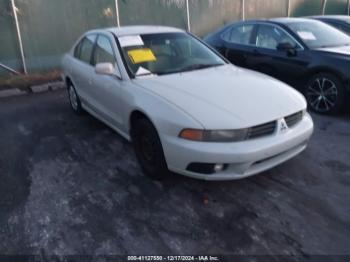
74 99
325 93
148 149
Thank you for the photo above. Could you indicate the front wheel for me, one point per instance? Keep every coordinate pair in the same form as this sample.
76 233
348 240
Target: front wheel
325 93
148 149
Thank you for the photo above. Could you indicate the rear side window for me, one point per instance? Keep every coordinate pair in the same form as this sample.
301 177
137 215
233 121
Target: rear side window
240 34
77 51
104 51
84 49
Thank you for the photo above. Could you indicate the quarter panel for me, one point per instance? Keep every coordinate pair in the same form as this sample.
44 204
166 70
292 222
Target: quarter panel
337 64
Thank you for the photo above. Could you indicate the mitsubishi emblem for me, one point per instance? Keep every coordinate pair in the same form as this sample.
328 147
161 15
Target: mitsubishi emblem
283 126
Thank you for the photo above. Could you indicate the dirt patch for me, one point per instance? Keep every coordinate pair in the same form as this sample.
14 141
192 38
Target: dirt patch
25 81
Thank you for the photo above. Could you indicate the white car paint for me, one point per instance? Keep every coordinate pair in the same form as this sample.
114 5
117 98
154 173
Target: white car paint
230 96
224 97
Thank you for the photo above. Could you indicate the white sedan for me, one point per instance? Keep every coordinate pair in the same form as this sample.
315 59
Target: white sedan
183 106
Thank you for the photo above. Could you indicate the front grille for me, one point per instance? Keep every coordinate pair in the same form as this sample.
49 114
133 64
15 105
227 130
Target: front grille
262 130
294 119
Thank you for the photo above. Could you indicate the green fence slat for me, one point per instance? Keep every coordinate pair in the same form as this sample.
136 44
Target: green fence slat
50 27
306 7
337 7
9 50
153 12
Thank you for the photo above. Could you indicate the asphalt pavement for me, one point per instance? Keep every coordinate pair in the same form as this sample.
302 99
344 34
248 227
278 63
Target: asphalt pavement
69 185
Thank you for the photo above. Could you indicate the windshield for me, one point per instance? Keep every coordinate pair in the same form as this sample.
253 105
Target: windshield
316 34
166 53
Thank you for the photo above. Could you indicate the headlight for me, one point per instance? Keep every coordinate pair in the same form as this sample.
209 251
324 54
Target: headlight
214 135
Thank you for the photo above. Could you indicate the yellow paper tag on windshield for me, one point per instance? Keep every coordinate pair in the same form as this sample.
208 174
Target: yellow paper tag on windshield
141 55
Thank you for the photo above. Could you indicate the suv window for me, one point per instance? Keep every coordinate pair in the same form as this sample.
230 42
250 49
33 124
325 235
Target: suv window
240 34
270 37
103 51
85 48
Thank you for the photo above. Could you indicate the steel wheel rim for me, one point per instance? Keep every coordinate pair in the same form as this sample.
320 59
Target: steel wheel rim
73 98
322 94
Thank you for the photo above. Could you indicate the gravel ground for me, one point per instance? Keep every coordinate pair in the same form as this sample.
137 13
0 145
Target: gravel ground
70 185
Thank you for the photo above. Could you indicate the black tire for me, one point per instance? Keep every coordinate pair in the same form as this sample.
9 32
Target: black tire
325 93
74 99
148 149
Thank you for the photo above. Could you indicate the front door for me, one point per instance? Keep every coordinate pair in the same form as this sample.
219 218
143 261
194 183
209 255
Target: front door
107 88
284 65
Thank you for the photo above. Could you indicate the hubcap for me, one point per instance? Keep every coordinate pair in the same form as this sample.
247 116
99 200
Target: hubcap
73 98
322 94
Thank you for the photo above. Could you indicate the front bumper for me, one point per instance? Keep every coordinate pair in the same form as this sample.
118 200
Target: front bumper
244 158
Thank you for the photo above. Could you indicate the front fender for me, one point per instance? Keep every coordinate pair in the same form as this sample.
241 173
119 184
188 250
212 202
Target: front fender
168 119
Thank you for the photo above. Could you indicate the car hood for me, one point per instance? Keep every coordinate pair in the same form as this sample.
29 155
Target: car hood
341 50
227 97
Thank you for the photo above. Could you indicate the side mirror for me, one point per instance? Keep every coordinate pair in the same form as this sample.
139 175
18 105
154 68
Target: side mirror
107 69
288 48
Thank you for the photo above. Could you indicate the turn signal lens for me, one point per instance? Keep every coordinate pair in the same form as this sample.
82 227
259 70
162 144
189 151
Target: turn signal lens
219 136
192 134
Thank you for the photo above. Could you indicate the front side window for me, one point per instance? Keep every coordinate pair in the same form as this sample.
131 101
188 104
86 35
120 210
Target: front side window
240 34
270 37
103 51
86 48
166 53
316 34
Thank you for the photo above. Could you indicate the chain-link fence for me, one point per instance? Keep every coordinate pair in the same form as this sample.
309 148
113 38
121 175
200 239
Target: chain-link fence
35 33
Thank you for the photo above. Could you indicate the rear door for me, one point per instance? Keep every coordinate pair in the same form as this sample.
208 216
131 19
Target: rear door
237 44
82 69
277 63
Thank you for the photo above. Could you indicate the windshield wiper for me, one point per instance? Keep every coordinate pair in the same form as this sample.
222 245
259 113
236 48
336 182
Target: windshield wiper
190 68
198 67
185 69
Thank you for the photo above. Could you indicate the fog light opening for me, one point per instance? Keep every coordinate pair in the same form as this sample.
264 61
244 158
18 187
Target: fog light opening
219 167
206 168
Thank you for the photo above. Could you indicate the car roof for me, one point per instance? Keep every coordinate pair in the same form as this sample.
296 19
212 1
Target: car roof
137 30
335 17
279 20
284 20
